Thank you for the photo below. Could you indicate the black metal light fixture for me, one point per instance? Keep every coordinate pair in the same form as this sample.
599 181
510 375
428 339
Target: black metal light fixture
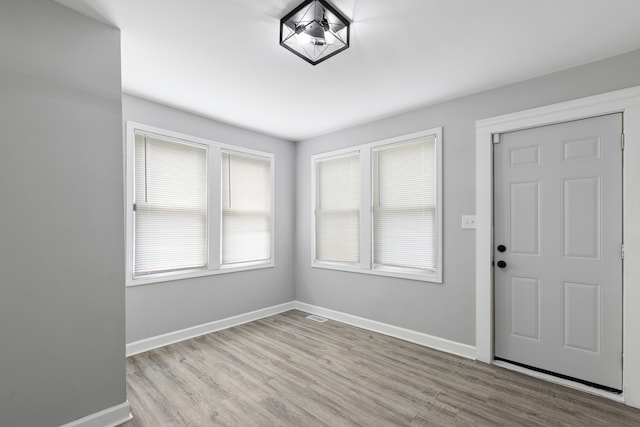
314 31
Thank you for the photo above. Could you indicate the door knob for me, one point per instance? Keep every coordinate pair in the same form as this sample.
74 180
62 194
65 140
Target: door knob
502 264
502 248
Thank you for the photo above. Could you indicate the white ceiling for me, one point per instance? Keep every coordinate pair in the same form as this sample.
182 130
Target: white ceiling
221 58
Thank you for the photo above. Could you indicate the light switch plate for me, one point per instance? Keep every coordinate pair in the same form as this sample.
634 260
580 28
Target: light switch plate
469 222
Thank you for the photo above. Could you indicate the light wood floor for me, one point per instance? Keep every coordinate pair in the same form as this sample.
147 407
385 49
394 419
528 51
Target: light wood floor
287 370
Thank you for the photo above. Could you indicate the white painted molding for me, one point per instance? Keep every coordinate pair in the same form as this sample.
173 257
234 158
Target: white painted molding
415 337
626 101
110 417
419 338
147 344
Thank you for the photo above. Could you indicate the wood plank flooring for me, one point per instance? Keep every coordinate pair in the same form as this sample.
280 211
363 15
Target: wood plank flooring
287 370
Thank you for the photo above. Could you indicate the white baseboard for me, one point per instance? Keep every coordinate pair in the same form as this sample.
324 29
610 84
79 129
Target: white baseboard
110 417
147 344
420 338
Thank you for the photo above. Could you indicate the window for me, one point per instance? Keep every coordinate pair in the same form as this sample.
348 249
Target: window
404 205
388 223
195 207
246 208
170 206
338 209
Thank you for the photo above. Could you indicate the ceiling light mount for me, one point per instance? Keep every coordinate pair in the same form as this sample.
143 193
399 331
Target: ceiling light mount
314 31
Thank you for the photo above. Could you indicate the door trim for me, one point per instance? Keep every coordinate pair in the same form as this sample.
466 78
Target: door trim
626 101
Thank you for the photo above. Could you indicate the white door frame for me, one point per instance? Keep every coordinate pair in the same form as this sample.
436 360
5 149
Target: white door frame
626 101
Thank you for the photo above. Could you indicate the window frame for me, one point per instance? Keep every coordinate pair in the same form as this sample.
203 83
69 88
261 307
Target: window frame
366 265
214 206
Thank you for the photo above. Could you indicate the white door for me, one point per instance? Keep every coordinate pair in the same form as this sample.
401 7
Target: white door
557 255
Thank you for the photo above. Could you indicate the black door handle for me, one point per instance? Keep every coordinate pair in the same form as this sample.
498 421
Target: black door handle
502 248
502 264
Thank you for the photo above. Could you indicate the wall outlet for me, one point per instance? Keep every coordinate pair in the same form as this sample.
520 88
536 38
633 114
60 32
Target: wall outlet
469 221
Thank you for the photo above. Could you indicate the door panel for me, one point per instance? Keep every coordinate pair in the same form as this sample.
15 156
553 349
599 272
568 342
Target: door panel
558 211
525 307
581 218
525 218
582 316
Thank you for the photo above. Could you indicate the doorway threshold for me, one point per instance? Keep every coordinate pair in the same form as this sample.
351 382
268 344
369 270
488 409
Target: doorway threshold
617 397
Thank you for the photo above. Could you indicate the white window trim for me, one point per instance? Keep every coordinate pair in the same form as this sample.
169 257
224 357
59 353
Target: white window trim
214 226
366 240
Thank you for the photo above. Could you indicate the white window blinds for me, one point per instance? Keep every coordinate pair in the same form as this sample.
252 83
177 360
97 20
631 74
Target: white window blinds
404 205
246 208
170 205
337 216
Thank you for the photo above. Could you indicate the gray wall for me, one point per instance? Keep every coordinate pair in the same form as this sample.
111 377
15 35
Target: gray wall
444 310
169 306
61 248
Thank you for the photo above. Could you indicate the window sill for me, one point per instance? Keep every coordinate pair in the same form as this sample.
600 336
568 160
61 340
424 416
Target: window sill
398 273
191 274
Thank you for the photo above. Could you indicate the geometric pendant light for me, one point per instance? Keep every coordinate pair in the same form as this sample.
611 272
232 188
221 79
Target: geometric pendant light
314 31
